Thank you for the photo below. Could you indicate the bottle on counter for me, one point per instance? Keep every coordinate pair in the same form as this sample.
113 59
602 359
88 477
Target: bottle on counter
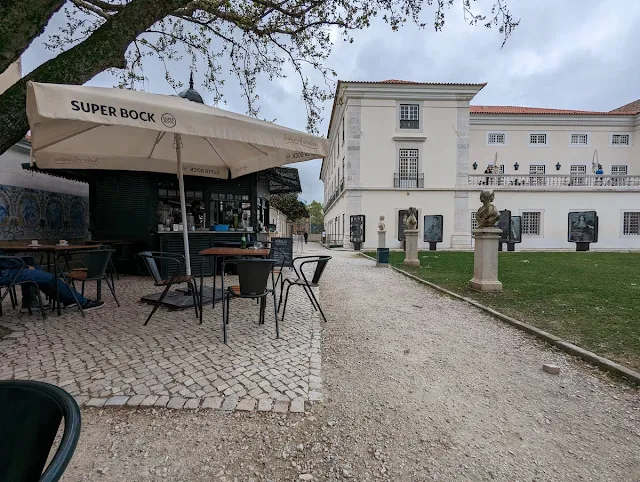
243 242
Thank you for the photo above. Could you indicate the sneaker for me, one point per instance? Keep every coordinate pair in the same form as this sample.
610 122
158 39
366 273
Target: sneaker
92 305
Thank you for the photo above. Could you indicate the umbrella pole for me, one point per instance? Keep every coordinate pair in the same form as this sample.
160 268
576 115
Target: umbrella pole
183 203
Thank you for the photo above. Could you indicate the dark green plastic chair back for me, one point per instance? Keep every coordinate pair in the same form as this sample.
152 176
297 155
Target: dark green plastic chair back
253 275
30 415
97 262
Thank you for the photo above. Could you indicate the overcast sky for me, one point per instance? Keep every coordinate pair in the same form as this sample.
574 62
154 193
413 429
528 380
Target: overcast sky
577 54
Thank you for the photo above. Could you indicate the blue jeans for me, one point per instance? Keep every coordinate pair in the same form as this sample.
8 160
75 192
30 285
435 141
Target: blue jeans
45 280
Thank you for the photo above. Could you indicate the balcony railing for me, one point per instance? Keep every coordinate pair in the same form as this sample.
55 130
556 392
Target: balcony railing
333 196
552 180
403 181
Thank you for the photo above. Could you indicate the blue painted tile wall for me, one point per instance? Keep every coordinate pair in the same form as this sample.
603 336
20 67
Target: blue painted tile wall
27 214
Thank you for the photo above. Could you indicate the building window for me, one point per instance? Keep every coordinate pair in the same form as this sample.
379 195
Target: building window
409 116
631 224
474 221
537 169
531 223
342 223
577 171
496 138
537 139
618 170
579 139
343 130
408 168
620 139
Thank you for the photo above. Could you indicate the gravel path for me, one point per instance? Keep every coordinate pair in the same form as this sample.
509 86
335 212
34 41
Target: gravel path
417 387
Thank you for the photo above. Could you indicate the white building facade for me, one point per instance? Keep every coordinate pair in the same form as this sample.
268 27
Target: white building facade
397 144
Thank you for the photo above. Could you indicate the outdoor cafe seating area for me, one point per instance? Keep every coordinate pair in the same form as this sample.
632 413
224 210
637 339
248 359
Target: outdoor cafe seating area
112 354
200 347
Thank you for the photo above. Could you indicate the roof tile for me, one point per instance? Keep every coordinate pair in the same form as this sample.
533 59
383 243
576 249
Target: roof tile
630 108
510 109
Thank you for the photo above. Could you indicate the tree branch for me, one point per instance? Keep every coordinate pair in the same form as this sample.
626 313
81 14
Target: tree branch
104 49
20 23
90 7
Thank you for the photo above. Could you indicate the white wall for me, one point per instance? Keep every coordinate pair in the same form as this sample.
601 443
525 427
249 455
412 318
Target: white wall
12 174
389 203
558 148
371 153
555 207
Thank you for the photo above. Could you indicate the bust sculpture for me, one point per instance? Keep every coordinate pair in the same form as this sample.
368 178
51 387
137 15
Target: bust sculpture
381 224
412 220
488 214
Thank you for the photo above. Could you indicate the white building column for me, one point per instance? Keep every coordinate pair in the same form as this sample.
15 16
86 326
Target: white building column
461 237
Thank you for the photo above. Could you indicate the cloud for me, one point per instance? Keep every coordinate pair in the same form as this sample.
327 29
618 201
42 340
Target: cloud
578 54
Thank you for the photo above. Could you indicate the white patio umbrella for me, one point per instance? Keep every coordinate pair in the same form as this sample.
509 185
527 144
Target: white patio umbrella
595 161
76 127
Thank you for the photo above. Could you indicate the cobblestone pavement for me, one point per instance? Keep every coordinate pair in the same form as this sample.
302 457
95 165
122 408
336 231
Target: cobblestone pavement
109 357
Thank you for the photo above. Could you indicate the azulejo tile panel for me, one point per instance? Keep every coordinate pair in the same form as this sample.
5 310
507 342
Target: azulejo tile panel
34 214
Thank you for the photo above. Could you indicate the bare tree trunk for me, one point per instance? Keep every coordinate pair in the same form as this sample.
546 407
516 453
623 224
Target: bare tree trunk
104 49
22 22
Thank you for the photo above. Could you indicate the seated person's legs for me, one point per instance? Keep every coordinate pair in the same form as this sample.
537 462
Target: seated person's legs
47 283
29 291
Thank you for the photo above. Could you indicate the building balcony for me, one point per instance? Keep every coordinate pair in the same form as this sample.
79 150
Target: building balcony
510 181
403 181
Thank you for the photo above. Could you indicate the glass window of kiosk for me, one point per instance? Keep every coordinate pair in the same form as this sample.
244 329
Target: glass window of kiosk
230 209
168 208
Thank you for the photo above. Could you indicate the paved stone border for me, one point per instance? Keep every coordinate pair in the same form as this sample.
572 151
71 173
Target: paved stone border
554 340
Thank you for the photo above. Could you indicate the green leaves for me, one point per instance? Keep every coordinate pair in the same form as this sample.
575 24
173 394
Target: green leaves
289 205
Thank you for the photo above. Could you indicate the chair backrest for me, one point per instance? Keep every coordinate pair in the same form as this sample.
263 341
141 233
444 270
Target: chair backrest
253 275
151 265
320 266
97 261
30 415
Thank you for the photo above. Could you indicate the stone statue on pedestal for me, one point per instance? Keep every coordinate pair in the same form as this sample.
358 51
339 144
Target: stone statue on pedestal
381 225
488 214
411 238
412 219
485 256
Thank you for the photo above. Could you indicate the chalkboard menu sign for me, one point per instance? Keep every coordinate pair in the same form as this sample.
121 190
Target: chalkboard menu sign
356 224
282 247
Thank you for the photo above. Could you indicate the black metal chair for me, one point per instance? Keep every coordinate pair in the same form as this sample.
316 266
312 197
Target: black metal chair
150 259
95 267
253 276
20 266
30 415
302 280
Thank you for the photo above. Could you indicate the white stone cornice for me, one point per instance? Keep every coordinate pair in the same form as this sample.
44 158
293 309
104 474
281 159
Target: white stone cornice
553 120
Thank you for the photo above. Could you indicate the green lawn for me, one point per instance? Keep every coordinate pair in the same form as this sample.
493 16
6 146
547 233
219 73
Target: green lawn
589 299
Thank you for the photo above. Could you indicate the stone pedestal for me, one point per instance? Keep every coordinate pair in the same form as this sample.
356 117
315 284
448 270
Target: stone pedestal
381 239
411 247
485 260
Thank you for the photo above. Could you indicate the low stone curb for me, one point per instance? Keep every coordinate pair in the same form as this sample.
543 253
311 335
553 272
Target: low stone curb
554 340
